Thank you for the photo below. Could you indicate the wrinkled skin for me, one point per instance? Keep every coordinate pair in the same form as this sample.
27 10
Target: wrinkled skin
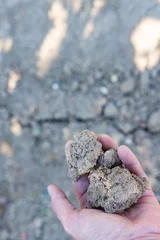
141 221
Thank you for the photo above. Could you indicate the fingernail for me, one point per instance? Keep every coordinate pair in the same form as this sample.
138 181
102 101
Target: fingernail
49 188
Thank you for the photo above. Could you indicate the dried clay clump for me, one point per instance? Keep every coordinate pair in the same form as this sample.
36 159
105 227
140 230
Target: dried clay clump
82 154
111 186
114 189
109 159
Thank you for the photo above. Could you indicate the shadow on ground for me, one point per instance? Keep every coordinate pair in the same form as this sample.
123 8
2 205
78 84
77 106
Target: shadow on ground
66 66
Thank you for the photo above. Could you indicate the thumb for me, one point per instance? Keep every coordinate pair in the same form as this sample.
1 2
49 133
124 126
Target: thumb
87 224
63 208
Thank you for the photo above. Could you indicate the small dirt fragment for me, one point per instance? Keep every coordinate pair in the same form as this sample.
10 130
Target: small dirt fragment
110 159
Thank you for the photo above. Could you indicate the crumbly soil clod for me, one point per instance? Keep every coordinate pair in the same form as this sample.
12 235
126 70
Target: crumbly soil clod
82 154
114 190
110 159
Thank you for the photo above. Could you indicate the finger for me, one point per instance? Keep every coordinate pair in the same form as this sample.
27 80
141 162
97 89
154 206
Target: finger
130 161
107 142
80 188
62 207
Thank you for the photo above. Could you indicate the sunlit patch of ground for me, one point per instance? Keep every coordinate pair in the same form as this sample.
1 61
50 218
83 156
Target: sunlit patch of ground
5 149
89 27
14 77
15 128
77 5
146 42
52 42
6 45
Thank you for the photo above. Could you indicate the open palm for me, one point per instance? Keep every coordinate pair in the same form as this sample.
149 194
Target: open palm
141 221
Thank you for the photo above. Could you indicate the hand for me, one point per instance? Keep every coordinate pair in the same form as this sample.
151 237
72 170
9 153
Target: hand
141 221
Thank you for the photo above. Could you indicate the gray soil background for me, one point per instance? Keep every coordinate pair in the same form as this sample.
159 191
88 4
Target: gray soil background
68 65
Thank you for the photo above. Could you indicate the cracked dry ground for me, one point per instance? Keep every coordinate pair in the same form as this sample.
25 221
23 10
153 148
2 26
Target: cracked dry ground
48 92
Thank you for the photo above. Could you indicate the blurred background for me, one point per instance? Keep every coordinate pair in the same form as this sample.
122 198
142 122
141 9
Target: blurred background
68 65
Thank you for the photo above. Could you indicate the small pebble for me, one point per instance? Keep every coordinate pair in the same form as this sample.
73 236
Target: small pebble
37 223
114 78
127 86
128 141
103 90
55 86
